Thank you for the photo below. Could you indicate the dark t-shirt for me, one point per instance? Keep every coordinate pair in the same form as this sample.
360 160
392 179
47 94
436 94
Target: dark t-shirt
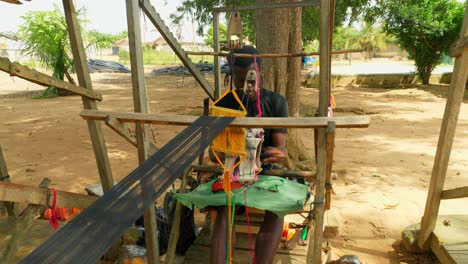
272 104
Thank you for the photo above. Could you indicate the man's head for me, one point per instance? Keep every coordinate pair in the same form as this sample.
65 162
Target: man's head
241 66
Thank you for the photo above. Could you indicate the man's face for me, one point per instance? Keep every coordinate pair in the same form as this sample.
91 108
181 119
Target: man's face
238 78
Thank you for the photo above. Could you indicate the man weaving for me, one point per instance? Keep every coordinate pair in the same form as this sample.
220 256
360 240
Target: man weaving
277 196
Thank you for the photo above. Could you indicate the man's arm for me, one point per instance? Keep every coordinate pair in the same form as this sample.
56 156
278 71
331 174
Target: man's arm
276 153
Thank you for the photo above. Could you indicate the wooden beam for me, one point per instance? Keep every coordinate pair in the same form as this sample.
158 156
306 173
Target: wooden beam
175 227
149 10
23 72
127 133
217 67
84 79
264 55
442 255
268 6
19 193
330 150
265 122
22 226
280 173
140 104
314 252
122 129
325 58
461 192
444 147
4 176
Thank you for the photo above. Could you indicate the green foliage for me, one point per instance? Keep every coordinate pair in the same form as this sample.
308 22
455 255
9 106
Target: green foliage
200 10
371 38
222 36
154 57
345 38
100 40
44 34
45 38
425 29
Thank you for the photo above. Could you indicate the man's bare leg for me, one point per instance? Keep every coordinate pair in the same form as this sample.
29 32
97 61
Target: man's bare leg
268 238
219 238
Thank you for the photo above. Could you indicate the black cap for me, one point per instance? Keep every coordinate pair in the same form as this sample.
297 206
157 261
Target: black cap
244 62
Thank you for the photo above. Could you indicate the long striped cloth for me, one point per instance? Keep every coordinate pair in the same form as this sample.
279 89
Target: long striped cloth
90 234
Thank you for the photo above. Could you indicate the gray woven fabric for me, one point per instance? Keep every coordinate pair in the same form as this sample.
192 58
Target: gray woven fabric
88 236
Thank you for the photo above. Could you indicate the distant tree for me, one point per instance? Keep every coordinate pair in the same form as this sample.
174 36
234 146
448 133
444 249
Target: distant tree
200 10
222 35
345 38
45 38
100 40
371 38
44 34
424 28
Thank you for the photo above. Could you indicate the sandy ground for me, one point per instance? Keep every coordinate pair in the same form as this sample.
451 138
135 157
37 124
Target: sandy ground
386 165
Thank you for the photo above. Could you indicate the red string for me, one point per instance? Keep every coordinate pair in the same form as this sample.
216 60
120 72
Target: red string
53 218
251 244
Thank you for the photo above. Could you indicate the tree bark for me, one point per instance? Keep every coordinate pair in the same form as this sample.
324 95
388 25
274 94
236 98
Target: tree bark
280 31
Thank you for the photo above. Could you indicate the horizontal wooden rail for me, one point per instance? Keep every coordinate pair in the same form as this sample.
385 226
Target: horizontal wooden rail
268 6
284 55
274 172
266 122
461 192
17 193
23 72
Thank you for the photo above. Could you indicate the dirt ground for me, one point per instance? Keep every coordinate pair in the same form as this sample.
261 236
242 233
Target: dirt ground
383 171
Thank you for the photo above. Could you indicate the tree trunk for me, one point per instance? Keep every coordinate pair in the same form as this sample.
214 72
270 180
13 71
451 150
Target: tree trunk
279 31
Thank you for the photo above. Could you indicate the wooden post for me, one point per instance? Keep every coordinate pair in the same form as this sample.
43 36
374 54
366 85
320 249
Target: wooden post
330 150
22 226
141 106
217 67
174 236
81 66
314 252
444 147
4 176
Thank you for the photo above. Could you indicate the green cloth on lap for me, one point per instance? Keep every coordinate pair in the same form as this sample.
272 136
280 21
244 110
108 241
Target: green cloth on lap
278 195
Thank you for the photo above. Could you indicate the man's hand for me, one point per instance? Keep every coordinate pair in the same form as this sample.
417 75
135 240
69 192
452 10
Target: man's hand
274 155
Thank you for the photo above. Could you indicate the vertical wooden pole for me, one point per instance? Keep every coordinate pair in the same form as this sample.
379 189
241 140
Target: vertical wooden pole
141 106
84 80
217 67
4 176
175 228
444 147
314 253
330 150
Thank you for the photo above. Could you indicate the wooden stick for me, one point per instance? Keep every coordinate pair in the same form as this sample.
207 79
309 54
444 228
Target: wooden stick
33 195
84 79
330 148
444 146
23 72
280 173
22 226
461 192
6 178
284 55
141 105
268 6
174 237
266 122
